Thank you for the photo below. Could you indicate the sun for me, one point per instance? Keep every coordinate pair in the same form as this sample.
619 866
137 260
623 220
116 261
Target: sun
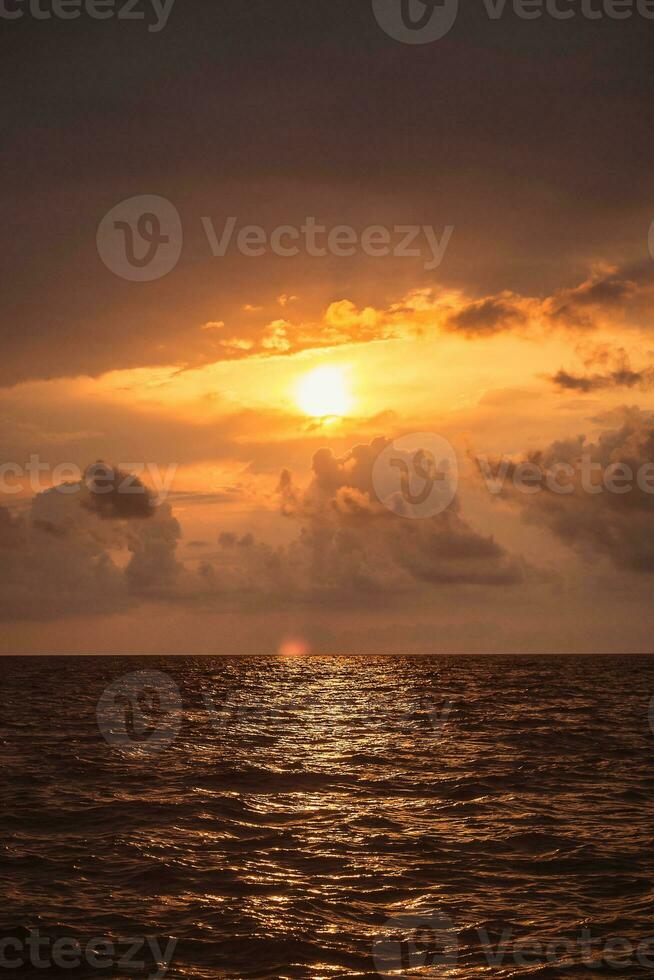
323 393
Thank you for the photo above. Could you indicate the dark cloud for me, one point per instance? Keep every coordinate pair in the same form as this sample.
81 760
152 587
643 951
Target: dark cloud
350 548
604 297
116 495
597 382
490 315
595 496
615 371
69 553
63 555
601 293
350 541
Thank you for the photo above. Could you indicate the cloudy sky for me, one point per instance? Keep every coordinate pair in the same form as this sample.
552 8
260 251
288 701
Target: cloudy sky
488 282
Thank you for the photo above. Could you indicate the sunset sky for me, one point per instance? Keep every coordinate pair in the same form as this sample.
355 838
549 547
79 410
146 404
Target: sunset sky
266 386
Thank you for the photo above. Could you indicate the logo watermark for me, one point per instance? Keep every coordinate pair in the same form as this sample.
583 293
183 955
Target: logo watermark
586 474
141 712
438 714
416 21
425 942
342 241
425 21
615 952
141 239
156 12
99 953
100 478
416 476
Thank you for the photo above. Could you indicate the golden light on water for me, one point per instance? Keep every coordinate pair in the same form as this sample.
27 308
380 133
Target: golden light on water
324 393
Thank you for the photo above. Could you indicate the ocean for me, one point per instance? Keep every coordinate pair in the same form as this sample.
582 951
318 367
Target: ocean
327 817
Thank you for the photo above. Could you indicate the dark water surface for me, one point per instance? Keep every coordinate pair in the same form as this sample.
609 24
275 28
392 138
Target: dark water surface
305 802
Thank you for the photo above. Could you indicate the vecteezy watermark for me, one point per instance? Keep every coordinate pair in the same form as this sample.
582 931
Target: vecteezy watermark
586 475
157 10
99 953
416 475
141 239
141 712
651 715
342 241
424 21
424 942
438 714
100 478
416 21
615 952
